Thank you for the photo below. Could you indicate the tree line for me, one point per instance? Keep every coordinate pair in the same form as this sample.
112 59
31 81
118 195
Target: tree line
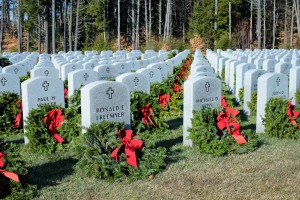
70 25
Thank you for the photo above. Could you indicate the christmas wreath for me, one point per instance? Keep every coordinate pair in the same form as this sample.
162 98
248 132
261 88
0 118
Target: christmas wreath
13 174
50 128
253 103
217 132
106 151
10 114
146 113
282 119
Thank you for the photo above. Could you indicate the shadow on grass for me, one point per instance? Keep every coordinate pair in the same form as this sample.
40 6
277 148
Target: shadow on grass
18 141
49 174
173 154
175 123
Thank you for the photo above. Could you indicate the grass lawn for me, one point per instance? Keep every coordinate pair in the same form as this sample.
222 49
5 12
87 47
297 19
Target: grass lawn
270 172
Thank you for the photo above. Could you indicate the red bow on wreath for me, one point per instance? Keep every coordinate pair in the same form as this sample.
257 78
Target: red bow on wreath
18 119
232 111
292 114
7 174
147 112
130 147
177 88
224 121
53 120
187 63
66 92
164 99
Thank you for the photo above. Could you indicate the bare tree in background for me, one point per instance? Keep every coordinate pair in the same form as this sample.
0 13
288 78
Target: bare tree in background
146 22
264 8
19 27
285 22
70 25
229 13
216 21
258 25
133 24
274 24
292 25
76 25
251 24
119 34
2 24
53 27
65 26
137 35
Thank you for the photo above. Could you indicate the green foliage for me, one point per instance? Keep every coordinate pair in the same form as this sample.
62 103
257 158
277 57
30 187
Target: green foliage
208 138
225 93
10 189
4 62
253 103
94 153
24 78
37 132
139 100
277 124
224 42
223 73
241 95
297 96
8 112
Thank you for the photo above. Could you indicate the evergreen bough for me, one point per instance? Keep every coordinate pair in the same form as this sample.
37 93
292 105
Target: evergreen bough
277 124
10 189
37 132
9 108
209 139
94 151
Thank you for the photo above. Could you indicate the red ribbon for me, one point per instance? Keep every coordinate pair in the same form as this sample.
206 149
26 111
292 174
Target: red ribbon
130 147
53 120
66 92
187 63
292 114
232 111
147 112
19 116
177 88
164 99
224 121
10 175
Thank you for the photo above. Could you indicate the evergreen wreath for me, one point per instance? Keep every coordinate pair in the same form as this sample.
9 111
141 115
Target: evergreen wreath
94 151
4 61
241 95
38 134
208 138
253 103
277 123
10 189
146 113
9 108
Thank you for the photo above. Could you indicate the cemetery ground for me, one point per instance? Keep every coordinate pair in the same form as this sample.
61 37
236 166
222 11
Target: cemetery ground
270 172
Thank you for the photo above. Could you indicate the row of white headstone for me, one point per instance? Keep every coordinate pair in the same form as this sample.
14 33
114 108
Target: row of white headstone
271 73
101 100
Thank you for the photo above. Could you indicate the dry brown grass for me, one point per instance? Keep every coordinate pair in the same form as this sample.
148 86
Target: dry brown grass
271 172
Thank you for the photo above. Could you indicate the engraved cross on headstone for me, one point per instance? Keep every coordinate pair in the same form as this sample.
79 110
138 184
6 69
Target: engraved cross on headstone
45 85
46 72
159 67
16 70
136 81
278 81
3 81
122 66
151 74
207 86
110 92
108 70
85 76
73 67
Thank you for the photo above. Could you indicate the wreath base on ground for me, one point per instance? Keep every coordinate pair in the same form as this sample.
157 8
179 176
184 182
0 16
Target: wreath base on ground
38 134
95 148
10 189
208 138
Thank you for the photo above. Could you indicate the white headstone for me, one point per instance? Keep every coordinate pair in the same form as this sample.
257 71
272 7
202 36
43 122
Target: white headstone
270 85
135 81
105 101
153 74
294 83
44 71
80 77
9 83
250 86
199 92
